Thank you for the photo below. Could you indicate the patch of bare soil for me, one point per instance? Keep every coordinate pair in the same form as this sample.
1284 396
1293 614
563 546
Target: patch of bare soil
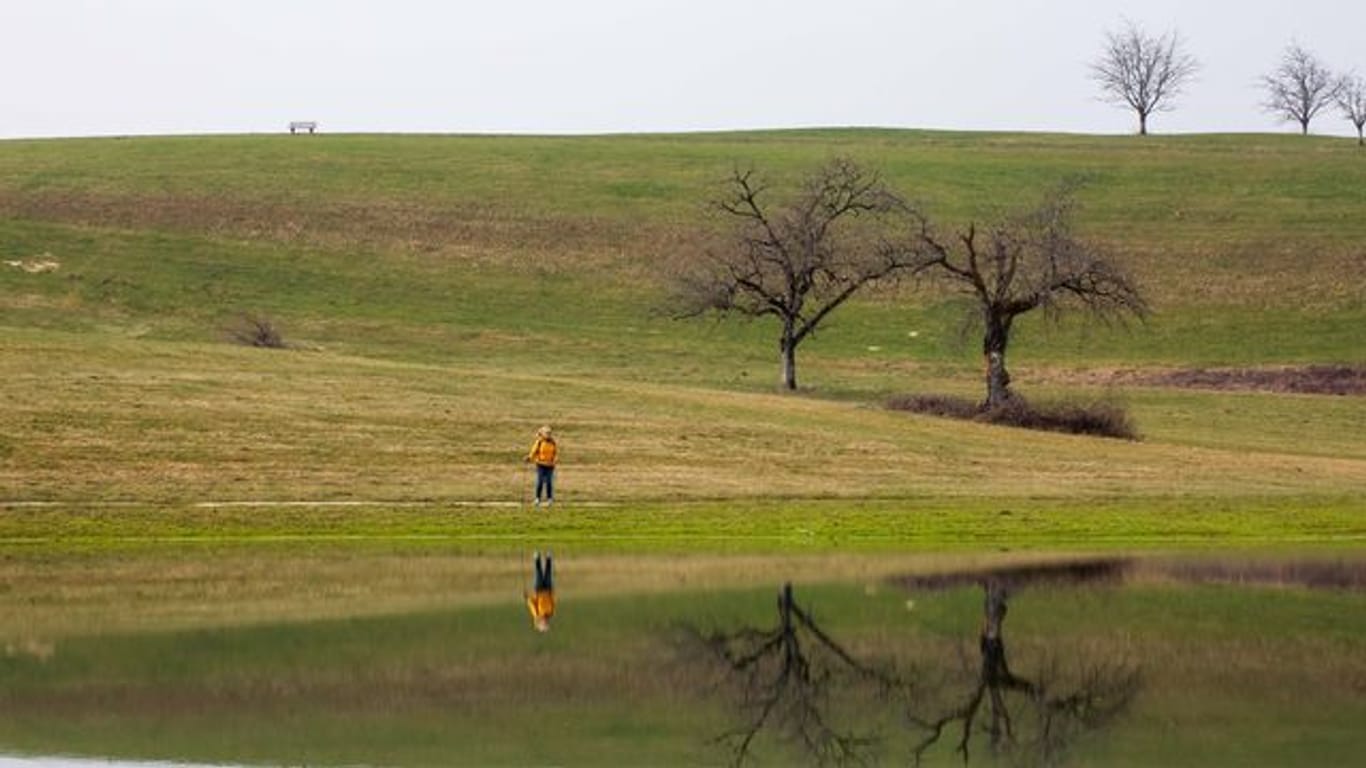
44 263
1310 379
1312 573
1105 569
1307 379
368 223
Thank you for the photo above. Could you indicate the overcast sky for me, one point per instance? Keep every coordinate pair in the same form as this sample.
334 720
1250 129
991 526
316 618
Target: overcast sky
97 67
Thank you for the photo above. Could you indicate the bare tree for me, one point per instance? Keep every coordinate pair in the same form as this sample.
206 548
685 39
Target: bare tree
1300 88
798 261
1352 102
1143 72
787 678
1028 262
1045 718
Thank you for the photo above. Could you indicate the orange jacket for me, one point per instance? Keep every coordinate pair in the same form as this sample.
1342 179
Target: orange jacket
543 452
541 604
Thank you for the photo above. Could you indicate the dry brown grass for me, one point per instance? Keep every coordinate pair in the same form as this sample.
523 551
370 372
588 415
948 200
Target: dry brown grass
51 598
149 423
448 229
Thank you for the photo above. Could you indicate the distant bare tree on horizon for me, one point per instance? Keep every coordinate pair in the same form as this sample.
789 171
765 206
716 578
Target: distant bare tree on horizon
1300 87
1352 102
1143 72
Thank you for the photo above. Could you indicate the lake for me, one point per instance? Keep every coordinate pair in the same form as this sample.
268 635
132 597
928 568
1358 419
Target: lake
1191 659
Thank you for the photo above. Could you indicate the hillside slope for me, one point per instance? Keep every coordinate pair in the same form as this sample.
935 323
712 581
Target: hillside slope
444 295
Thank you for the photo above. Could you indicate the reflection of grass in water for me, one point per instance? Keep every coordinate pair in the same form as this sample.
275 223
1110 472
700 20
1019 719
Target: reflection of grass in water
1321 572
472 684
132 569
1253 676
1224 669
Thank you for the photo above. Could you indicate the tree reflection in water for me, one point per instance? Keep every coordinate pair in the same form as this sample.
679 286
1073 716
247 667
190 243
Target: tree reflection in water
799 684
792 680
1029 721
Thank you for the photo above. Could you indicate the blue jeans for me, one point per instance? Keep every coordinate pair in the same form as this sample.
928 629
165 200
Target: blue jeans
545 576
545 481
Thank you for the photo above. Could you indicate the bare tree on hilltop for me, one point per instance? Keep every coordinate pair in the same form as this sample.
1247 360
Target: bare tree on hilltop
1143 72
1023 263
1352 102
1300 88
797 261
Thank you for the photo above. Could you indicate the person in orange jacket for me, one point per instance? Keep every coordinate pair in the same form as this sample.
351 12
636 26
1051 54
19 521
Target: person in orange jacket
544 454
541 601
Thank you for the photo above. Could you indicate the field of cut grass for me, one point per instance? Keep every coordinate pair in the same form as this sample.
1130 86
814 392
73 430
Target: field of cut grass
135 421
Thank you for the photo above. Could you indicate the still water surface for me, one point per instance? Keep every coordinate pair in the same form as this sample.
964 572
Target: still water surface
1177 661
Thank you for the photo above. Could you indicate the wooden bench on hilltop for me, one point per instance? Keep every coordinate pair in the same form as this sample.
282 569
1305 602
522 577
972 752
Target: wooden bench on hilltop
296 126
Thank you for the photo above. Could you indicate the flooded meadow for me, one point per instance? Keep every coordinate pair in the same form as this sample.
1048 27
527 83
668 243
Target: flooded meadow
1190 659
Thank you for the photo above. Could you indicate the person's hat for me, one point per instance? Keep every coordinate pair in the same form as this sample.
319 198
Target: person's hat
544 431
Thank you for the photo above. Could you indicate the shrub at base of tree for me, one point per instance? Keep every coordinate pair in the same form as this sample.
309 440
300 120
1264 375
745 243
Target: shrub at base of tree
1102 419
256 331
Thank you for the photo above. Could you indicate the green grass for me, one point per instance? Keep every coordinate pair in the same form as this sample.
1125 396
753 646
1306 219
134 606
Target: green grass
809 527
445 295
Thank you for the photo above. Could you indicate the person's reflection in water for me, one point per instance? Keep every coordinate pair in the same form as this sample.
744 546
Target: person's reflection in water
541 601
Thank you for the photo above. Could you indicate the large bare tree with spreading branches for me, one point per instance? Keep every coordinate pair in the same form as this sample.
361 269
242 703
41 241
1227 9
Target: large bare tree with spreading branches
1300 87
1352 102
1143 72
796 261
1027 262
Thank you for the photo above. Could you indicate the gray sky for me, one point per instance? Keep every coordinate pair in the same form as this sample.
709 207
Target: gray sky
95 67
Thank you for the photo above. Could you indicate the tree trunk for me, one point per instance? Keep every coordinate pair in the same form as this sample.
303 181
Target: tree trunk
994 349
788 349
1142 124
995 674
1304 127
994 608
1361 142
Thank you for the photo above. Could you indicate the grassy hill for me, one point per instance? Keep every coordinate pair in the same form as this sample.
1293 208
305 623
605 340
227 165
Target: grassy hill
446 294
212 552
